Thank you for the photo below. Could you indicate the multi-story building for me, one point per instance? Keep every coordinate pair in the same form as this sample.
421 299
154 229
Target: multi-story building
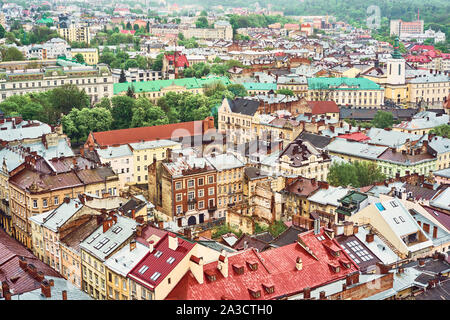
296 194
162 268
399 27
392 220
136 75
115 232
230 177
120 158
303 159
90 55
184 189
119 265
222 31
144 153
346 91
96 81
153 90
75 32
40 185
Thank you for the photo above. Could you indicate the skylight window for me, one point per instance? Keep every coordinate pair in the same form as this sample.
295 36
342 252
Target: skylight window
116 230
93 238
155 276
170 260
101 243
158 254
110 248
394 204
396 221
143 269
401 219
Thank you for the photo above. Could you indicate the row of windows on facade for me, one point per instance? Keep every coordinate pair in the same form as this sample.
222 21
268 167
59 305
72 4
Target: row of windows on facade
55 83
111 191
191 206
191 194
191 182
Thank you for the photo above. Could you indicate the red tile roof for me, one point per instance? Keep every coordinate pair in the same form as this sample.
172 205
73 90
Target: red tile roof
322 107
132 135
276 266
181 60
19 280
355 136
160 264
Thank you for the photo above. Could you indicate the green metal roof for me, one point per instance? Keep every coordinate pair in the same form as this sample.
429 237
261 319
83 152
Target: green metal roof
157 85
260 86
342 84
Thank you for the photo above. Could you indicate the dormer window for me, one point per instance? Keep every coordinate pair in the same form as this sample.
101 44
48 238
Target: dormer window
255 293
252 265
210 275
269 288
238 269
335 267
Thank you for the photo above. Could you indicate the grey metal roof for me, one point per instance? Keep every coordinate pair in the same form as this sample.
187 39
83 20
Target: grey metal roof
111 239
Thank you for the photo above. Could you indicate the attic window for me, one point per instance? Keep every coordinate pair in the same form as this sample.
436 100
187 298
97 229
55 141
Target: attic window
401 219
210 275
394 204
158 254
238 269
252 265
269 288
143 269
255 293
335 267
170 260
117 230
155 276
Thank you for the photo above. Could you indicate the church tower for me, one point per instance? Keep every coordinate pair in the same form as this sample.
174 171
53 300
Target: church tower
396 67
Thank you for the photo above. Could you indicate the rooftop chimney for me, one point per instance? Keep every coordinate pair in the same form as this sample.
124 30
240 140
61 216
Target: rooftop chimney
132 245
151 244
299 264
222 265
369 237
46 289
173 241
307 293
64 295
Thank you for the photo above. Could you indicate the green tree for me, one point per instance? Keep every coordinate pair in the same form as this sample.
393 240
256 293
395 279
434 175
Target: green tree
12 54
122 77
286 92
443 130
105 102
356 174
202 23
122 111
158 63
145 114
79 58
383 119
79 123
2 32
237 89
67 97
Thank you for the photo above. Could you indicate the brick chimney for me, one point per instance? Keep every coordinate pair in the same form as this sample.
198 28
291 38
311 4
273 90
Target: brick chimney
369 237
173 241
322 295
307 293
132 245
46 289
222 265
31 269
421 262
107 223
298 264
22 263
196 267
5 288
139 230
151 244
355 229
64 295
40 276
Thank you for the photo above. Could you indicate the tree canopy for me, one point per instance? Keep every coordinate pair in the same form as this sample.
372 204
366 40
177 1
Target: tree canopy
356 174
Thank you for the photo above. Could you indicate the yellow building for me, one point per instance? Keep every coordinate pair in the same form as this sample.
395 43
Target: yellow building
115 232
28 198
90 55
230 177
117 268
79 33
145 152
